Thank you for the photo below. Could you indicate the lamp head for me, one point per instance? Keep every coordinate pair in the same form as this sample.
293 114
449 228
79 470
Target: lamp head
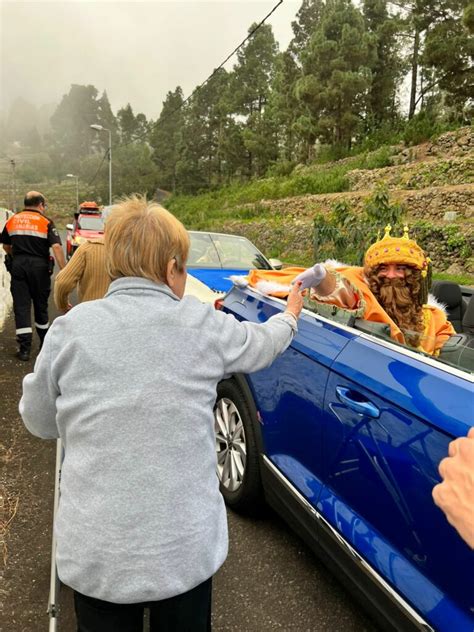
97 127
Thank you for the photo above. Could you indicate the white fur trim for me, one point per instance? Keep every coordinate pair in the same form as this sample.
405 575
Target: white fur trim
239 280
433 302
334 263
268 287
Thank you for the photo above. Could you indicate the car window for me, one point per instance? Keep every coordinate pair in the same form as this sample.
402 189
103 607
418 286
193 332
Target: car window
457 351
224 251
90 223
202 251
239 252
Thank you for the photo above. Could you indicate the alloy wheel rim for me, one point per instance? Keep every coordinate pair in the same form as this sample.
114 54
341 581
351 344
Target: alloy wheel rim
230 444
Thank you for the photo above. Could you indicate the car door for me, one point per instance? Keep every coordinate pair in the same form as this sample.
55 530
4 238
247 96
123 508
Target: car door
390 415
290 396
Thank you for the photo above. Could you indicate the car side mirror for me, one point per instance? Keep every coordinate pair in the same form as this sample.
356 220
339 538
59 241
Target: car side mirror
69 226
276 264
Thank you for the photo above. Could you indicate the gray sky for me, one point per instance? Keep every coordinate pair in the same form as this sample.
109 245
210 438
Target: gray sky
134 50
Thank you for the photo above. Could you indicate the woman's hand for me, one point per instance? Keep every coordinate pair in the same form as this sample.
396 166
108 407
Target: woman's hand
455 494
294 303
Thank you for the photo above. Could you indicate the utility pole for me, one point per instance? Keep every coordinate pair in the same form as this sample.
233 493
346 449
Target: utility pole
100 128
13 166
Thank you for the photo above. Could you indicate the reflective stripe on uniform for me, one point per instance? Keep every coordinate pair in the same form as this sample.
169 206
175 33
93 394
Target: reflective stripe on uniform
31 233
38 326
24 330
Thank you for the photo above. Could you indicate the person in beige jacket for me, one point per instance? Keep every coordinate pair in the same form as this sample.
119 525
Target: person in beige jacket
86 271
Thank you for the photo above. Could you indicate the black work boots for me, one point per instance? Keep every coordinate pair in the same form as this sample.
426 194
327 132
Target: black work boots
24 351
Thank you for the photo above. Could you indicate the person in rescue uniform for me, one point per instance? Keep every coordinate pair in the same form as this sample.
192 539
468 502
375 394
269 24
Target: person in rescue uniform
28 236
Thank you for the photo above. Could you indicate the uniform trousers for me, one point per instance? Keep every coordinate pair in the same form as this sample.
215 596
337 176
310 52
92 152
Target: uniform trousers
30 283
188 612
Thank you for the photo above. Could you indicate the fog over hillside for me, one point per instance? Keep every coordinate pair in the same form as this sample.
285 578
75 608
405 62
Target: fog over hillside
136 51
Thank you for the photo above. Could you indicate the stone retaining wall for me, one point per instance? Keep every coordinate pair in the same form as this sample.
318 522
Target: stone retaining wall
430 204
429 173
293 241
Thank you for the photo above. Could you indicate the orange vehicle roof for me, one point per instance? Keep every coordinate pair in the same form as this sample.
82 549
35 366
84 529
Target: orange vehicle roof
89 205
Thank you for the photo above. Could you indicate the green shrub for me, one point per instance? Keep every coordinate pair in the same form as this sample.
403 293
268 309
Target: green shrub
423 127
381 157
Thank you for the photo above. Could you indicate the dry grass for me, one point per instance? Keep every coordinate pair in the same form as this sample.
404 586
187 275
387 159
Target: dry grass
8 507
9 500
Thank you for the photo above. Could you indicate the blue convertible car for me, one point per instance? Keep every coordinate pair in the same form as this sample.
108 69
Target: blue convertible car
214 257
343 435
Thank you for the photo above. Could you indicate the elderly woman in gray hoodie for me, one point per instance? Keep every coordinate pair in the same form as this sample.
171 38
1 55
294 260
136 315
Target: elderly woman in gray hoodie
125 382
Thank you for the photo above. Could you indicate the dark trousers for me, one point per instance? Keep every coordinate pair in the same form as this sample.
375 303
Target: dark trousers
189 612
30 283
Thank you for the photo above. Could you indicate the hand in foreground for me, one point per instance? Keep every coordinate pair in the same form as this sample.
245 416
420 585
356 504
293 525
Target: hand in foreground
311 277
455 494
294 303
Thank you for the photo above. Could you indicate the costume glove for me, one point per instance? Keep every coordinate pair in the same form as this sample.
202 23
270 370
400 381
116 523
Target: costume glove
311 277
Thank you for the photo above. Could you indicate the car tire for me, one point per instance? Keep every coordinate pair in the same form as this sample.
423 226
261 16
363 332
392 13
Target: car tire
236 447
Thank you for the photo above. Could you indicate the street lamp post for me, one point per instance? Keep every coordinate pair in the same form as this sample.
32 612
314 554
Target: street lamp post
71 175
100 128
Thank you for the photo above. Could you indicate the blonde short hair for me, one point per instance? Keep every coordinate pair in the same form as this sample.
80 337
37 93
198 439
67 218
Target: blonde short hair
141 238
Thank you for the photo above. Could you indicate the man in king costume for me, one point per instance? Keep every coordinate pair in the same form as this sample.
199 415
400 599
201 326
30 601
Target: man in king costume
391 288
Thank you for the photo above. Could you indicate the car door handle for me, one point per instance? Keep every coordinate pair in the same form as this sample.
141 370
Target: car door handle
346 396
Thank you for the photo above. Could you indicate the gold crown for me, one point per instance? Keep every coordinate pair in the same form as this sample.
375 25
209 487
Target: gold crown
401 250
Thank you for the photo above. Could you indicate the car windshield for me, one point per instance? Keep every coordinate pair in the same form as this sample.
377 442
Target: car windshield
91 223
224 251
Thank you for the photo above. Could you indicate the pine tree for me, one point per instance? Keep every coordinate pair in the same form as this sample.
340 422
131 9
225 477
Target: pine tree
107 119
387 65
336 75
441 51
307 21
166 139
251 85
283 107
72 119
127 124
449 53
206 120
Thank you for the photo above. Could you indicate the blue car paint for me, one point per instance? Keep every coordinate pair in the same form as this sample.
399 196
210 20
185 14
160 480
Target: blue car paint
216 278
370 477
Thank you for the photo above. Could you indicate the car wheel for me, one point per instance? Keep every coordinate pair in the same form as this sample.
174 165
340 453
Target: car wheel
236 447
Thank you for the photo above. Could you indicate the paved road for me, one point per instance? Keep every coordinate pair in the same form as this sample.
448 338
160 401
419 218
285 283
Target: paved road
271 580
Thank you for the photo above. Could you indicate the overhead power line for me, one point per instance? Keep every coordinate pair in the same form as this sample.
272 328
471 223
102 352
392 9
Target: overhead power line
252 32
98 168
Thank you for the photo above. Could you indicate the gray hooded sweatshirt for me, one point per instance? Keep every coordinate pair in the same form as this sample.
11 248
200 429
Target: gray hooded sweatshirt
128 382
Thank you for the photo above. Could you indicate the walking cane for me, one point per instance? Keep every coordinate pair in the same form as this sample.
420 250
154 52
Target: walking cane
53 605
